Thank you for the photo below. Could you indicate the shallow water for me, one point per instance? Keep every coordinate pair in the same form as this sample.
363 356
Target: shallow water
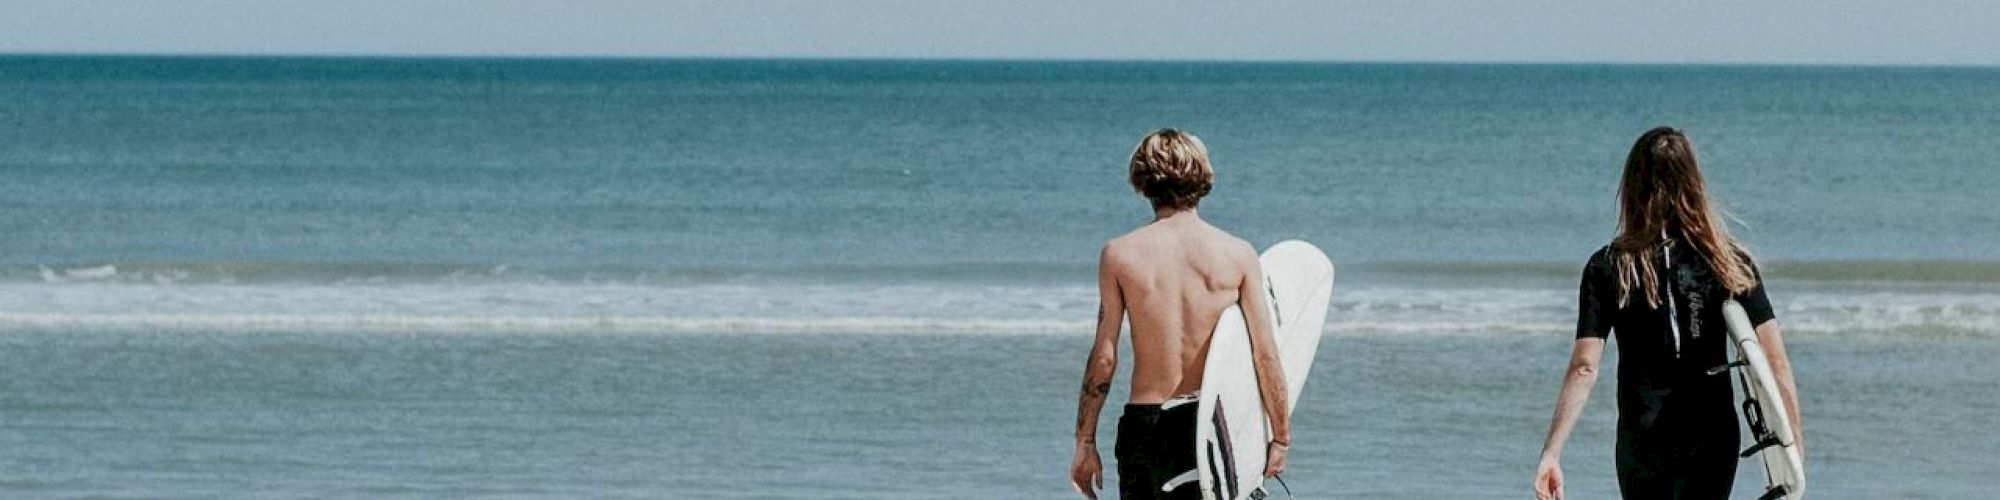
278 415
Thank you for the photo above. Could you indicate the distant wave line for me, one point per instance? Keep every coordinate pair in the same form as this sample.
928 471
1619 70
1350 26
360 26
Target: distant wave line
1837 270
247 272
167 272
367 323
645 324
525 324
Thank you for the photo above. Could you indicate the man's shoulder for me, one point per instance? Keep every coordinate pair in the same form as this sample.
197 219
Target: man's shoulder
1119 251
1122 243
1235 248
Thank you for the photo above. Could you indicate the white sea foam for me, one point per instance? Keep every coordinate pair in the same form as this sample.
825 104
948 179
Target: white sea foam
925 308
528 324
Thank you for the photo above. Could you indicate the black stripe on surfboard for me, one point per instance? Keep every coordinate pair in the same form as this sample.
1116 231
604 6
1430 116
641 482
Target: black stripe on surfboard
1228 450
1213 463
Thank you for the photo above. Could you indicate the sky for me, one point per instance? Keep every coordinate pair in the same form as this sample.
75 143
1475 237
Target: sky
1859 32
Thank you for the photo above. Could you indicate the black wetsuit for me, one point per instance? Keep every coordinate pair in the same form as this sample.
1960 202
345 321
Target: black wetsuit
1677 424
1154 445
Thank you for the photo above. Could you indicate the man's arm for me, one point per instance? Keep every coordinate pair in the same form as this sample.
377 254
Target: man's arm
1103 360
1577 381
1773 342
1097 373
1256 307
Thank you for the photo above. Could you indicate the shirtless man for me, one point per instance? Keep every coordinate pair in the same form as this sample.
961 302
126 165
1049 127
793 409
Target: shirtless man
1173 278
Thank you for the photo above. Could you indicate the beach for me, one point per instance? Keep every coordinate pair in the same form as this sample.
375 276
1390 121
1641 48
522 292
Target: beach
521 278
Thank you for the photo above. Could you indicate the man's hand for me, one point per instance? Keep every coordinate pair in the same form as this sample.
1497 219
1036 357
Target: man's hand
1274 459
1549 480
1086 474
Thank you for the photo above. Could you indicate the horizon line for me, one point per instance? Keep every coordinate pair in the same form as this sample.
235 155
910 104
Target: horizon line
881 59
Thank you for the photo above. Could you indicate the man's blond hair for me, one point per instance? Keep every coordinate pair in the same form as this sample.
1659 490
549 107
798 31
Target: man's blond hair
1170 167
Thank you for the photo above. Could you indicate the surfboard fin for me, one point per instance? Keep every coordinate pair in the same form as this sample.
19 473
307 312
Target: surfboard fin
1776 492
1185 478
1767 442
1725 367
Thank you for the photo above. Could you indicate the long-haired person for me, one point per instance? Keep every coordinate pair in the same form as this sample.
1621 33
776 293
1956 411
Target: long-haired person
1659 285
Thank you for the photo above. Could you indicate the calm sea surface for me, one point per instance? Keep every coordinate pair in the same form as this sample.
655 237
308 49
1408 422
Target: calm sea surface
419 278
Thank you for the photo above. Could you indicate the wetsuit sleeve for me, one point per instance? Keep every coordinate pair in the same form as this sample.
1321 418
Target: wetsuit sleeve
1596 299
1755 304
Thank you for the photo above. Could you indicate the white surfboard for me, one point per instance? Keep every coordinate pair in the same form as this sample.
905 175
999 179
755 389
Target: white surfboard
1764 411
1230 428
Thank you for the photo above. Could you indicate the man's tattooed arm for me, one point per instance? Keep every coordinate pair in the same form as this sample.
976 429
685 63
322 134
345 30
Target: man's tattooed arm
1097 373
1103 360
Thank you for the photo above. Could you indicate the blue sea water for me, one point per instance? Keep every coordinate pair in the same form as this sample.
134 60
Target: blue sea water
283 277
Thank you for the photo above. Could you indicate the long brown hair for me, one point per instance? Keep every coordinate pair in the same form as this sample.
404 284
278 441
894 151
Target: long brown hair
1662 200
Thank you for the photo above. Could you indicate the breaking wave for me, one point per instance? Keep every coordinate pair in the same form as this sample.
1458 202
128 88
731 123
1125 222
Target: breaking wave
890 308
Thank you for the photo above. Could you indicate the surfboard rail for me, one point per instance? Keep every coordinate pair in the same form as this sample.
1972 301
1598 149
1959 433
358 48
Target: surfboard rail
1764 410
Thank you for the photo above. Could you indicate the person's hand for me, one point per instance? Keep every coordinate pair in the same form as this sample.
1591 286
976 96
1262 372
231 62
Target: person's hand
1086 474
1274 459
1549 480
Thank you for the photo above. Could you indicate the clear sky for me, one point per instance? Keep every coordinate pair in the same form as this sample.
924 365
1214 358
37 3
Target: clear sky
1660 31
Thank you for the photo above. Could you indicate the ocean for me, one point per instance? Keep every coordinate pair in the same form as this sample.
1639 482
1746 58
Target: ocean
562 278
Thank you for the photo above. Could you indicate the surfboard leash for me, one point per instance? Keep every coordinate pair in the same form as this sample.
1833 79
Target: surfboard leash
1288 488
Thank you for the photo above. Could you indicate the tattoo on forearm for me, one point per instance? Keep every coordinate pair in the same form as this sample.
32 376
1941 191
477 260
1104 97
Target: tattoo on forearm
1092 393
1096 390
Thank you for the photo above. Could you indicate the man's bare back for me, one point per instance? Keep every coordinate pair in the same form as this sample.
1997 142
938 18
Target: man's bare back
1176 276
1172 278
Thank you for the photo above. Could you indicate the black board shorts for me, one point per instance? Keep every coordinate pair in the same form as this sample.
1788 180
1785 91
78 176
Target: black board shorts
1155 445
